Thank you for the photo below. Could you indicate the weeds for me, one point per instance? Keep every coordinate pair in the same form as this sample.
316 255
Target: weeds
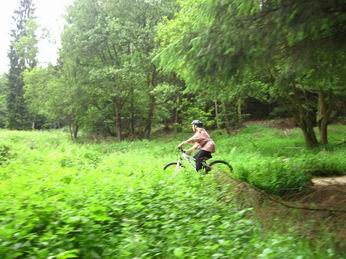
60 199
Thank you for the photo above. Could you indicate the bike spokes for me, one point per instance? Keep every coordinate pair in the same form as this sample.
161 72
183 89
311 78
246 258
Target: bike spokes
220 166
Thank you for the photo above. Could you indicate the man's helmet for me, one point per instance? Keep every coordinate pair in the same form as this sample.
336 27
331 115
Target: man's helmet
197 123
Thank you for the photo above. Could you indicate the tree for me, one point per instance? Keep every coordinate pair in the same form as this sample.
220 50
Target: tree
287 48
3 93
109 46
22 56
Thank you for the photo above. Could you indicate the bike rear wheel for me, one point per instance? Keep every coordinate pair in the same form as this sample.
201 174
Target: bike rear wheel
220 166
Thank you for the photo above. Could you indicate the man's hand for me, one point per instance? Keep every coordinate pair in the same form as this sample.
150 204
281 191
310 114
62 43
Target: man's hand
181 145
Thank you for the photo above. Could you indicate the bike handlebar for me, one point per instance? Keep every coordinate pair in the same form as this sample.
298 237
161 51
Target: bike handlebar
181 149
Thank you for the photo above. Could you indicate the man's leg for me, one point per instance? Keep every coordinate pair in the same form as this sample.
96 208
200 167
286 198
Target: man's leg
200 157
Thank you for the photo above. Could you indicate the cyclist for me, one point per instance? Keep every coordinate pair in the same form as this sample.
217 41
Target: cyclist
201 141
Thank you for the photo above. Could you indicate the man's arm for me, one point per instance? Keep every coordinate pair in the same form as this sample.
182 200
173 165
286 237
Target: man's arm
189 141
192 149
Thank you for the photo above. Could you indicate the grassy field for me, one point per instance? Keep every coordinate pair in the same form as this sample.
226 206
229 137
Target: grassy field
60 199
277 160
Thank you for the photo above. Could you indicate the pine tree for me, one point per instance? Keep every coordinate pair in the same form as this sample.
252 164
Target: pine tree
22 56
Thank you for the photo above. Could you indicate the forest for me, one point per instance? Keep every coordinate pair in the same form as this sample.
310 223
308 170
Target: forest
83 141
128 68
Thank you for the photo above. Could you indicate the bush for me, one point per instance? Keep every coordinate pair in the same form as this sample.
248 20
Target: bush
112 200
276 161
5 154
275 176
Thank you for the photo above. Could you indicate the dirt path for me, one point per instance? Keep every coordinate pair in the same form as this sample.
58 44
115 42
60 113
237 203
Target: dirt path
327 192
325 181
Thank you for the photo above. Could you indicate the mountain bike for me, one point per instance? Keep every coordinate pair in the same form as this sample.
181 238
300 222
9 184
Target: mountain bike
207 167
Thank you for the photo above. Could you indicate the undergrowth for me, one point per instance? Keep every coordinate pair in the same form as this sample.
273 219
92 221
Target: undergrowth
278 161
60 199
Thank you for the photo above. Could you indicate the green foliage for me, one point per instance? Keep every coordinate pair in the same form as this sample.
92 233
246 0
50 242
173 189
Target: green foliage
68 200
129 67
106 55
22 55
277 161
5 154
263 49
26 46
196 112
273 175
49 93
3 104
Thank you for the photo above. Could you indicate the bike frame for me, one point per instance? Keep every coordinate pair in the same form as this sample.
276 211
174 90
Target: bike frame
192 162
188 158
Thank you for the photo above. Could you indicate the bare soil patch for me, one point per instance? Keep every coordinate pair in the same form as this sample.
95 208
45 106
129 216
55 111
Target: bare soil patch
328 181
286 123
325 193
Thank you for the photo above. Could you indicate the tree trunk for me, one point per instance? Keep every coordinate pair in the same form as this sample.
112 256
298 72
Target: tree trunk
132 107
33 125
75 131
176 114
147 131
216 114
323 126
74 127
117 117
227 122
151 85
304 117
70 128
309 136
239 111
324 112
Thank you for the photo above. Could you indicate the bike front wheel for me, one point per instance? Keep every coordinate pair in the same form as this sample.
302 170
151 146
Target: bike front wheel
172 167
220 166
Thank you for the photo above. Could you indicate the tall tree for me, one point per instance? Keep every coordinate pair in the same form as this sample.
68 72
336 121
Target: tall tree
3 94
109 45
293 50
22 56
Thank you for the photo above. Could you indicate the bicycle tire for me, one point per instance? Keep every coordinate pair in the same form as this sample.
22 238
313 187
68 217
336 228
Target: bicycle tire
171 164
227 168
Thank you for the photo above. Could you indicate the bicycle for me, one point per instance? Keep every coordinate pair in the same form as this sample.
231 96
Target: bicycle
216 165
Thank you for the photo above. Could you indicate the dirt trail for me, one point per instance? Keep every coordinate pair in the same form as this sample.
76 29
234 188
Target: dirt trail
325 181
327 192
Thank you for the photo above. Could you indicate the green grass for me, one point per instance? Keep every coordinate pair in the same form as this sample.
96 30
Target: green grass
277 161
60 199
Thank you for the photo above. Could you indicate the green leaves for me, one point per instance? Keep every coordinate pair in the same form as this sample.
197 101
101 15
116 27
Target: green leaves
106 55
262 49
113 200
179 252
26 45
22 56
5 154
